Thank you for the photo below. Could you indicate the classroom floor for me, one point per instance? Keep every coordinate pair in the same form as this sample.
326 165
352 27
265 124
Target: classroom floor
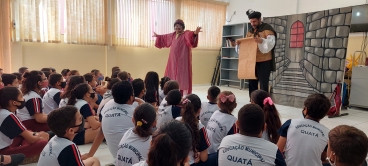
357 117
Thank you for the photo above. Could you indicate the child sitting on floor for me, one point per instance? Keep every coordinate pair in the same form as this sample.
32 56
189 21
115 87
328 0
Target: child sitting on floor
347 146
169 85
65 123
222 122
162 84
250 148
208 108
171 110
306 136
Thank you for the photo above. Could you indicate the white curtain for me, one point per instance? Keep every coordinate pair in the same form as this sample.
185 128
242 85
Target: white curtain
5 40
210 16
35 20
134 21
85 22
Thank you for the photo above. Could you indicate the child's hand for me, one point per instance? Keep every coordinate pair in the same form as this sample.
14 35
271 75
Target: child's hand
197 159
86 156
43 135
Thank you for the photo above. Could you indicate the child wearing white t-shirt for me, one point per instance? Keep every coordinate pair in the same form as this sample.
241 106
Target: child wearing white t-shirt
135 144
191 106
162 84
60 150
117 115
72 81
306 134
169 85
51 99
171 109
248 147
170 145
263 99
347 145
139 90
208 108
222 122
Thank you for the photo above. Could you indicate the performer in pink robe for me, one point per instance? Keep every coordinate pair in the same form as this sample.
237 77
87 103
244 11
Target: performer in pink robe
179 65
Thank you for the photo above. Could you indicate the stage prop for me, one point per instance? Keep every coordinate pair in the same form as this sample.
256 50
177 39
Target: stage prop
247 59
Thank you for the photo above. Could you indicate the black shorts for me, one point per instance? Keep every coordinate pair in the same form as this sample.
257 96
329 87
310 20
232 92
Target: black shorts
79 138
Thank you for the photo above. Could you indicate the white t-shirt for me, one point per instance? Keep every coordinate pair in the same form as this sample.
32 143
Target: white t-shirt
204 143
10 127
207 110
239 150
63 102
220 125
51 100
132 149
60 152
106 98
169 112
161 95
265 135
142 163
116 120
304 137
135 104
33 106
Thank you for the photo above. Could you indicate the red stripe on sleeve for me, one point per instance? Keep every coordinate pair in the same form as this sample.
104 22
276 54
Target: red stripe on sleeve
206 137
77 156
16 120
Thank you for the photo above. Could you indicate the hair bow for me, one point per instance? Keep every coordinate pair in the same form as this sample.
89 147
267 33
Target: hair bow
186 101
231 98
268 100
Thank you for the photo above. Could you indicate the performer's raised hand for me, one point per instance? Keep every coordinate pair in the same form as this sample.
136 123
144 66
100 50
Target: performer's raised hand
198 30
258 40
154 34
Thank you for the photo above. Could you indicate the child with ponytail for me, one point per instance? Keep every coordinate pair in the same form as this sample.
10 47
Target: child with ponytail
170 145
191 107
222 122
138 137
272 116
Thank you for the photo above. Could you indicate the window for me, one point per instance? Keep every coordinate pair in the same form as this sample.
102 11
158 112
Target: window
297 35
211 17
35 21
135 21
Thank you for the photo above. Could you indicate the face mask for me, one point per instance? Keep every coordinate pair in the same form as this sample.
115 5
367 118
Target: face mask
332 164
303 113
80 127
92 95
22 104
45 84
101 78
63 84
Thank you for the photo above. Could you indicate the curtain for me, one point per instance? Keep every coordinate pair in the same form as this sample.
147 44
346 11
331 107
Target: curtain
210 16
5 39
36 20
134 21
85 22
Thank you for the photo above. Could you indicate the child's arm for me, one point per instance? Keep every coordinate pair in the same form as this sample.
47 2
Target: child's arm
281 143
283 135
324 155
34 107
88 113
96 143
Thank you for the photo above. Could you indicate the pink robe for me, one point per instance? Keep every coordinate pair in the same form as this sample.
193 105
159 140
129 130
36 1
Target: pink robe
179 65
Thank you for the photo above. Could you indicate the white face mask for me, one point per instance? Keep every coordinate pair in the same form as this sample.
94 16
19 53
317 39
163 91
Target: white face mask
329 160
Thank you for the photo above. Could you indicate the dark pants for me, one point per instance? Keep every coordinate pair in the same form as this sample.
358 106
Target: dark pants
263 70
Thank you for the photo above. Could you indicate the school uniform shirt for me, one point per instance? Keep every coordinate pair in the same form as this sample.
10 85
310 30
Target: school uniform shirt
219 125
239 150
44 91
84 108
207 109
51 100
162 104
161 95
204 143
169 112
60 152
10 127
63 102
132 149
265 135
33 106
142 163
136 104
304 137
116 120
106 98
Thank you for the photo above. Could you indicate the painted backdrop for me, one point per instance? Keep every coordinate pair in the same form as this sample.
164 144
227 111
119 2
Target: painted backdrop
310 54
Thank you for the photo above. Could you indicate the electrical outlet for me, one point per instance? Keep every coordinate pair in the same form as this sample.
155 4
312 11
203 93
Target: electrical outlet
234 12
